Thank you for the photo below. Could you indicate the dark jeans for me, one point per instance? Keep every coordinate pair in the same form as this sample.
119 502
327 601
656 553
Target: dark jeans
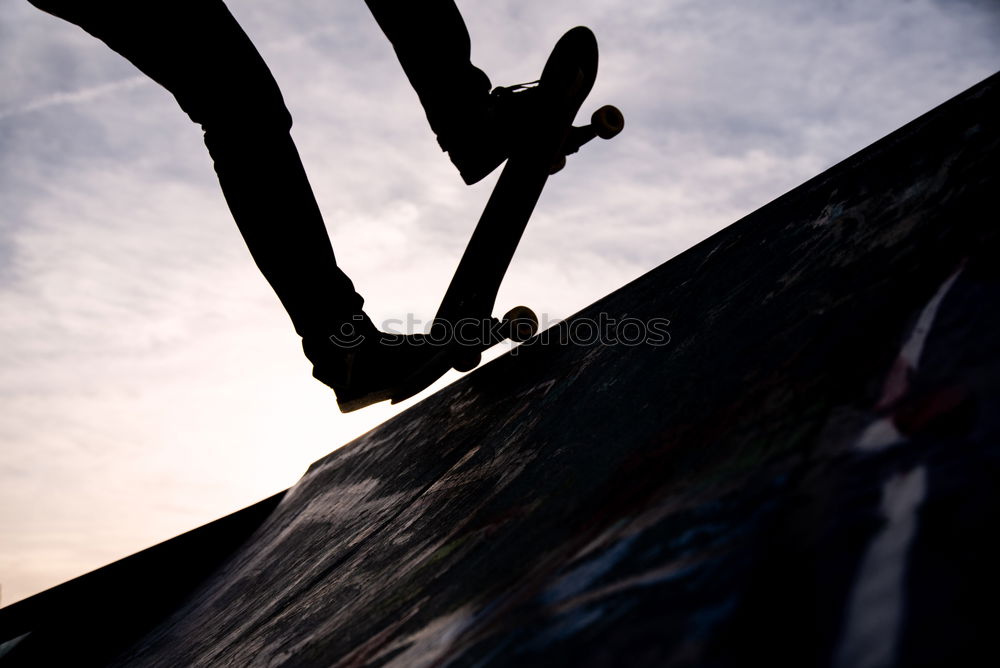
197 51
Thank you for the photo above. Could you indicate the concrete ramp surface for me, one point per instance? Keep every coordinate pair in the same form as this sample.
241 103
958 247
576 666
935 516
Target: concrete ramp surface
802 471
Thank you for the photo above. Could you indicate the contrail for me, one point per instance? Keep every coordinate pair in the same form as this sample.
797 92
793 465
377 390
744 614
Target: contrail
74 97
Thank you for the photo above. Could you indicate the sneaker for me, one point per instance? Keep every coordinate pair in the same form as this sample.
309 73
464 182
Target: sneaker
481 143
366 366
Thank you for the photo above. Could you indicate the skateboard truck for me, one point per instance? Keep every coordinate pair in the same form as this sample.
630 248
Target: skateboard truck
605 123
518 325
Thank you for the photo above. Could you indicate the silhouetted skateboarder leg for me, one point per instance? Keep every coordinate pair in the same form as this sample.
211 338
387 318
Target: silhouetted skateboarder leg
197 50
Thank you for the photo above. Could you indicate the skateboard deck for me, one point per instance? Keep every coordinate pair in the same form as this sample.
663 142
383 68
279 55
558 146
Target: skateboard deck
464 325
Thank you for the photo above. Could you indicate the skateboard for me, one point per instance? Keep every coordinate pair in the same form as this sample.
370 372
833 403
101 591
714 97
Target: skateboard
464 325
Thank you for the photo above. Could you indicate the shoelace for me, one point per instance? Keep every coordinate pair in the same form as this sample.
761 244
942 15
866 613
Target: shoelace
515 88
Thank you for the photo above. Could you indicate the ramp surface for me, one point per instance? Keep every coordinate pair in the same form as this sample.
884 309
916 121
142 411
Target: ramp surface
805 473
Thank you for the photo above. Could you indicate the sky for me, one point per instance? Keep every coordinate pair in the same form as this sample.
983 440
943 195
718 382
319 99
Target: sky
150 381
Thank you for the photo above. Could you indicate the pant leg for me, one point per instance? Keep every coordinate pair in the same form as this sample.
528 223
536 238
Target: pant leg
197 51
433 46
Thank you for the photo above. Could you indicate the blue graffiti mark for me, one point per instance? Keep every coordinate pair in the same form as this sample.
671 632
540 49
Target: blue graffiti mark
583 576
704 621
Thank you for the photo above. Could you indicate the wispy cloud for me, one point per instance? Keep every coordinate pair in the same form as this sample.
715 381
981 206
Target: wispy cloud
75 97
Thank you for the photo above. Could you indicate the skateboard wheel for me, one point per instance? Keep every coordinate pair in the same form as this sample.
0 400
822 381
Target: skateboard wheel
522 322
557 164
466 361
607 121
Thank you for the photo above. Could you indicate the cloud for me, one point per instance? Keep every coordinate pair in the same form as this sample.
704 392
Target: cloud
74 97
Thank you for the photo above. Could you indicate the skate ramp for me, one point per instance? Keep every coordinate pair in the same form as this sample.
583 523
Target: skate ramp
805 473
